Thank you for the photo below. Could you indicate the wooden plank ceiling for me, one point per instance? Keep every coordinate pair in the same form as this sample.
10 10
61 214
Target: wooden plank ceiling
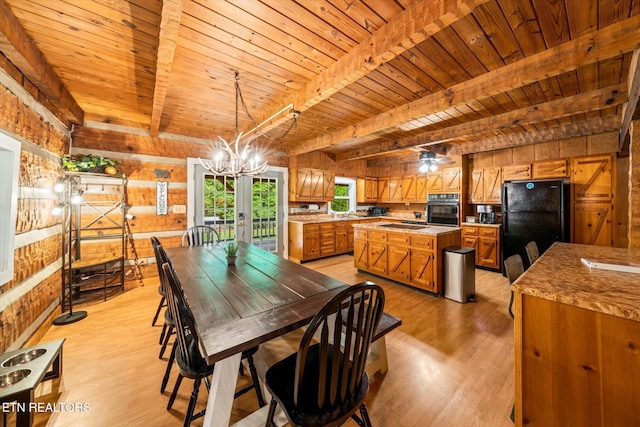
369 77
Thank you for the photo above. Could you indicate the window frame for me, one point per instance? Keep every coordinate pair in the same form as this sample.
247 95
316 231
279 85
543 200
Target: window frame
351 182
10 165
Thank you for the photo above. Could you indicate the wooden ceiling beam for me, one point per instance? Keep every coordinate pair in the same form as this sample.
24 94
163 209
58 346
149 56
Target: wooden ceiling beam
571 130
167 41
603 44
18 47
421 20
634 95
564 107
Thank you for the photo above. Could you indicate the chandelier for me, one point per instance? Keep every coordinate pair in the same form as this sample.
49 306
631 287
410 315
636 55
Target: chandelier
236 159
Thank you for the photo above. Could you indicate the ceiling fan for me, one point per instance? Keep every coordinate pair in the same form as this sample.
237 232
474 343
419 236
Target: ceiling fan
429 162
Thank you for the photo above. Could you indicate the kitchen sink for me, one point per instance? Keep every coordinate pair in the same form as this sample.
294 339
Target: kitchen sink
404 226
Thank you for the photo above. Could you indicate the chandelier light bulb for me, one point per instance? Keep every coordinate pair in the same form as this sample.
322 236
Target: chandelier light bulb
57 210
59 187
424 168
433 167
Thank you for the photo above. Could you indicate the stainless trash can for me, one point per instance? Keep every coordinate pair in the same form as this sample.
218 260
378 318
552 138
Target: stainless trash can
459 273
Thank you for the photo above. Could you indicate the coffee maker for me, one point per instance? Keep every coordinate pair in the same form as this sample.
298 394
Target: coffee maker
486 214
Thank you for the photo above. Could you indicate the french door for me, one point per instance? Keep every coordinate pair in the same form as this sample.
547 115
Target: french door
248 208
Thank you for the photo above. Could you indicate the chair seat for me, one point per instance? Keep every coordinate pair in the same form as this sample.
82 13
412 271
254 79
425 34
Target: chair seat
168 319
280 381
198 366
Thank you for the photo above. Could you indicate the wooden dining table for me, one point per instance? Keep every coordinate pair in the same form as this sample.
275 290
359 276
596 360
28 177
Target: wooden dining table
237 307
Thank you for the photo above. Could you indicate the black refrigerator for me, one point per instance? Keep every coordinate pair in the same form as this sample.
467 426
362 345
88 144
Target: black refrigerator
534 210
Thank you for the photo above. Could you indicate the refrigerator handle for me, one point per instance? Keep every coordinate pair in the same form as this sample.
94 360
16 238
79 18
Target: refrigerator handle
505 212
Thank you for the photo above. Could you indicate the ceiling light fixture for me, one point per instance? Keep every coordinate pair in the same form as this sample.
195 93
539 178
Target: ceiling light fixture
428 162
235 159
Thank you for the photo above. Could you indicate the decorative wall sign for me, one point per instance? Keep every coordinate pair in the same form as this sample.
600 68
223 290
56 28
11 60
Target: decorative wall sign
162 206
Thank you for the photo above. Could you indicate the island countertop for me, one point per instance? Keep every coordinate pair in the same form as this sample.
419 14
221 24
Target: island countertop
430 230
560 275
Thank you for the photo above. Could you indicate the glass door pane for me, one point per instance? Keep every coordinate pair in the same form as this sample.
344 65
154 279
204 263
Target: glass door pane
264 209
220 205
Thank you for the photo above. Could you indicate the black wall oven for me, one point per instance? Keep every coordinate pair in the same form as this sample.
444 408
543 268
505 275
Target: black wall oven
443 209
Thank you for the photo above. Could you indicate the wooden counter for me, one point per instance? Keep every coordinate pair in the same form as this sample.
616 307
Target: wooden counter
412 256
577 339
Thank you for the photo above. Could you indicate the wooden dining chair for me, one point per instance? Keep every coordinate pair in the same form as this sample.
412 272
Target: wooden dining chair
532 252
325 382
168 329
200 235
163 300
190 362
514 268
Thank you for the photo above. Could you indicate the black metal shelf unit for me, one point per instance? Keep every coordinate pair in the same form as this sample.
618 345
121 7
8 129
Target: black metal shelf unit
93 238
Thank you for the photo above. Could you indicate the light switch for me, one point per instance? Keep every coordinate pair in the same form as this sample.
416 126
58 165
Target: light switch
179 208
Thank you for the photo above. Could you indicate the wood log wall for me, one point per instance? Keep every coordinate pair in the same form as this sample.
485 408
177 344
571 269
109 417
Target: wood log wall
634 186
34 292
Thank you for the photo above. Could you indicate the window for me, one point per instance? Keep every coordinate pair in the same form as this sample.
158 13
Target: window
220 205
344 196
10 165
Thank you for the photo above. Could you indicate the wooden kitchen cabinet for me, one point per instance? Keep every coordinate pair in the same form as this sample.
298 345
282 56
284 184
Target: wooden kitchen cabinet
485 239
470 239
551 169
451 178
516 172
311 241
592 179
592 223
341 236
306 185
395 189
408 188
327 239
377 254
328 183
492 185
383 189
422 189
367 190
434 182
399 257
477 186
488 250
422 270
360 249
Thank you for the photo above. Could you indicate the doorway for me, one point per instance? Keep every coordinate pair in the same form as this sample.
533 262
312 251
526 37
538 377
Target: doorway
247 208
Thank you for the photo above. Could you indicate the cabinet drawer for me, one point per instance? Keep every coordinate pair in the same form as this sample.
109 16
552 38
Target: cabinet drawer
422 242
469 231
488 232
360 234
398 238
378 236
311 228
328 227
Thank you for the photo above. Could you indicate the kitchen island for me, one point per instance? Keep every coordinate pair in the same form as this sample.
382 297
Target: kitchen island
406 253
577 339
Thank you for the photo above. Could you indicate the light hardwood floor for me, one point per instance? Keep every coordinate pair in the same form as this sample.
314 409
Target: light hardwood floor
450 364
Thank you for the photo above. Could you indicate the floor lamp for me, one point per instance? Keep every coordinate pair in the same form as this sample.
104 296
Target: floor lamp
67 239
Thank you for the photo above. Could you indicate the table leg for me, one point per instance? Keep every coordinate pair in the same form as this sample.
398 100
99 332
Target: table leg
223 386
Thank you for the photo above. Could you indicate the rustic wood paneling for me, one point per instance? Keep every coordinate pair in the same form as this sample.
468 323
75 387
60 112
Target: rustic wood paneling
634 186
547 150
523 154
32 258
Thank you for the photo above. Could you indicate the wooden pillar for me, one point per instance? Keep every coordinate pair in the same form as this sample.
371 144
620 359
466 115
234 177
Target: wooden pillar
634 185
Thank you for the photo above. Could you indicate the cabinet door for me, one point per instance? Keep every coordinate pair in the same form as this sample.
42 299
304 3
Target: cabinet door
422 268
371 189
470 240
492 185
434 182
488 255
383 189
516 172
311 243
317 185
551 169
408 188
360 253
329 179
395 189
303 184
592 179
477 186
592 224
350 237
342 244
399 263
421 188
451 180
377 255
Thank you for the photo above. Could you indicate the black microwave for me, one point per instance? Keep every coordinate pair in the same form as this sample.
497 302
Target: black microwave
375 211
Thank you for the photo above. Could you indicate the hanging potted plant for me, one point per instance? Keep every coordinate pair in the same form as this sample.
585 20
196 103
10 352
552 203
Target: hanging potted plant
231 249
